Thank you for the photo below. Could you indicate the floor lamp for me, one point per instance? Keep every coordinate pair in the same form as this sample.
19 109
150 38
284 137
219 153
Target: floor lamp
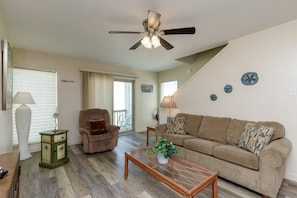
23 122
168 102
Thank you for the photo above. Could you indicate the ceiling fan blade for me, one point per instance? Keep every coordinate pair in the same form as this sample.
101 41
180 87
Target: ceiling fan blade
153 20
124 32
136 45
188 30
165 44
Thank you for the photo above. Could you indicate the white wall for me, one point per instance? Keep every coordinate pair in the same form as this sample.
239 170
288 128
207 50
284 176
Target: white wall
271 53
69 94
5 116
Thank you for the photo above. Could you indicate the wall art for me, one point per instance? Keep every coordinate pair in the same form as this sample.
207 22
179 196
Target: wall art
147 88
228 88
7 75
249 78
213 97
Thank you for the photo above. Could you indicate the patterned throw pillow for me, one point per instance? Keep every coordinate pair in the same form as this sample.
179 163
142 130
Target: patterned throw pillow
255 137
176 125
171 125
248 131
180 125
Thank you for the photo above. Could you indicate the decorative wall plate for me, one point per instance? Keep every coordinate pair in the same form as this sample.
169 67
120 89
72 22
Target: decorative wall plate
228 88
213 97
249 78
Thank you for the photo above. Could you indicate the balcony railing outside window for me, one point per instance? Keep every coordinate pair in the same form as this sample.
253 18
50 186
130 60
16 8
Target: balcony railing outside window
122 119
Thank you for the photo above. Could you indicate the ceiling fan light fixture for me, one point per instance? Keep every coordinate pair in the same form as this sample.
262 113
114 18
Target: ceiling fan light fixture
153 36
146 42
155 41
151 41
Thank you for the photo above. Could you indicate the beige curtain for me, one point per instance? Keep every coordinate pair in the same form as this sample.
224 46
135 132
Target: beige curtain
97 91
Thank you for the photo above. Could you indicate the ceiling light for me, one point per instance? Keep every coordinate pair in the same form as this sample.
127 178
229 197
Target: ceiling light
146 42
155 41
151 41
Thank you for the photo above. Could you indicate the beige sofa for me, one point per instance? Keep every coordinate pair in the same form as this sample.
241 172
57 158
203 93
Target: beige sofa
212 142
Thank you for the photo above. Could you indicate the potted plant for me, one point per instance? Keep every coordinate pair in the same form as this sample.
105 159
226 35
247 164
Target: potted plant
164 150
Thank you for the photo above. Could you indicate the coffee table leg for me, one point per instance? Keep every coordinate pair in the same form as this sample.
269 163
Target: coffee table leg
215 188
147 136
126 167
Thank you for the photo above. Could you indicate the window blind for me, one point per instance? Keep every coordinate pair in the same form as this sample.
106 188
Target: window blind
43 88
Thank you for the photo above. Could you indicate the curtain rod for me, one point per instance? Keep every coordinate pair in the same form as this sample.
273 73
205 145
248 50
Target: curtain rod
112 73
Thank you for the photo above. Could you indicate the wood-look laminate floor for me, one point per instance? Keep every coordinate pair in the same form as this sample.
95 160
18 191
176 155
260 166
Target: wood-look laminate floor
101 175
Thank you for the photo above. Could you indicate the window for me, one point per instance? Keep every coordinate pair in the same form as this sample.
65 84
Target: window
123 104
43 87
168 88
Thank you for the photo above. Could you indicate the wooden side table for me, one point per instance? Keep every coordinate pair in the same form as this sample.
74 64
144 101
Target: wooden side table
148 129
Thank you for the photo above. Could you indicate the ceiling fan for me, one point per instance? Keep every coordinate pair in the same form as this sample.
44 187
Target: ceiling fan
152 35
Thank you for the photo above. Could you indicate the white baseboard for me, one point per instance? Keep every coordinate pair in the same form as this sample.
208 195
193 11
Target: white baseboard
291 176
140 130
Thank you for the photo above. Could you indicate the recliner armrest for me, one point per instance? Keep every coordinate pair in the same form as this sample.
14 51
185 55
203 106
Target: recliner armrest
85 131
112 128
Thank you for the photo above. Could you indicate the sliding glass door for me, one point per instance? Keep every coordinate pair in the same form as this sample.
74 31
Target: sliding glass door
123 105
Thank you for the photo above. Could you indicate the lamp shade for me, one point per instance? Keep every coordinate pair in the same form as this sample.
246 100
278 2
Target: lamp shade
23 98
168 102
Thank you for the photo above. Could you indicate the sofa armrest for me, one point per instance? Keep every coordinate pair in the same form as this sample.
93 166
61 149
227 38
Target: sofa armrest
275 153
161 129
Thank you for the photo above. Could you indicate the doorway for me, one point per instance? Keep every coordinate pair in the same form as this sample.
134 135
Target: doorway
123 105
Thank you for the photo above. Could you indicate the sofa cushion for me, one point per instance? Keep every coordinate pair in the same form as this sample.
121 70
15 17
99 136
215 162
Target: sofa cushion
176 138
201 145
255 137
192 123
237 156
235 129
214 128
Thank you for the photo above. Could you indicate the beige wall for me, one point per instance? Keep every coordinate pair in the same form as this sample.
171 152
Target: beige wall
5 116
271 53
69 94
182 74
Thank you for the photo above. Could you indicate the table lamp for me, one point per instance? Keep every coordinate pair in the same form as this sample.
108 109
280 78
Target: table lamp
168 102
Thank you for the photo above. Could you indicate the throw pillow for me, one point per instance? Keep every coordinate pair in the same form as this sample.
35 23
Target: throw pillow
171 125
255 137
97 127
176 125
180 125
248 131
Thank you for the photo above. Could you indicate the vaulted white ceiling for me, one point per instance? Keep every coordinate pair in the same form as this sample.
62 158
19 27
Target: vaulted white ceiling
79 28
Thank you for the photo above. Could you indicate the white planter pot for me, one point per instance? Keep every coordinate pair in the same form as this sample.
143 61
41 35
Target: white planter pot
161 159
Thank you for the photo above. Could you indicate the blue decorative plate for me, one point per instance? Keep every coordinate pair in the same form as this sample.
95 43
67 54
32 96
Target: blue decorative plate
228 88
249 78
213 97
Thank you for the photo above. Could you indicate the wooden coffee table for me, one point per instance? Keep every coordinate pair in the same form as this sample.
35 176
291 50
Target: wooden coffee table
183 176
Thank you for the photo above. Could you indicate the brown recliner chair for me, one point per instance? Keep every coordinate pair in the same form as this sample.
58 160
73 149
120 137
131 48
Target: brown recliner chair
98 134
